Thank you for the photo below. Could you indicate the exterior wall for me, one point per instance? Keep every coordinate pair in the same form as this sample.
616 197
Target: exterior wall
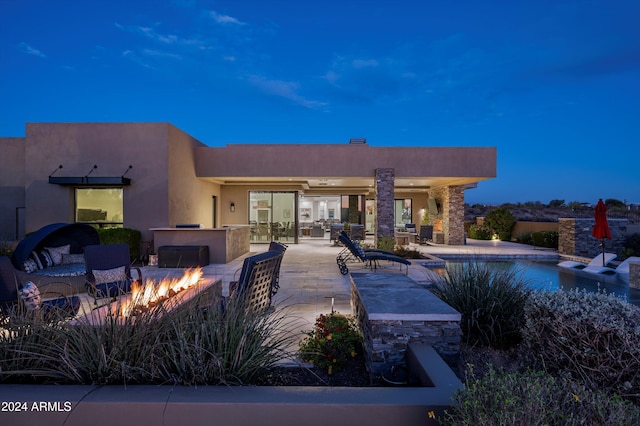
468 164
190 198
522 227
112 147
574 237
12 187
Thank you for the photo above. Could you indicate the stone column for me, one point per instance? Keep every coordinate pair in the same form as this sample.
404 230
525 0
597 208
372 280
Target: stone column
451 200
354 215
384 189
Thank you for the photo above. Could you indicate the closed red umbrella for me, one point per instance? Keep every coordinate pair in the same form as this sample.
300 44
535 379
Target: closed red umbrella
601 228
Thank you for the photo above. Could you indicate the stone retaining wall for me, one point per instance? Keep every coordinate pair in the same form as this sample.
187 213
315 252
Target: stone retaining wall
574 237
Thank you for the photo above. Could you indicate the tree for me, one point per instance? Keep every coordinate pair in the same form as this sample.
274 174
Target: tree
501 221
613 203
556 203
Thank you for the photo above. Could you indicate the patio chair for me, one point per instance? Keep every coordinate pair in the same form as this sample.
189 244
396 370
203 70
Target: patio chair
357 233
258 276
16 296
109 270
336 229
426 234
596 261
372 257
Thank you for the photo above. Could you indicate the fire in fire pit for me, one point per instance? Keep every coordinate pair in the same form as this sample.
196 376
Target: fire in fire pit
150 294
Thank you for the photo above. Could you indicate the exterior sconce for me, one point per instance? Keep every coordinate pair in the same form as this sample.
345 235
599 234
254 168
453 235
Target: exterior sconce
232 206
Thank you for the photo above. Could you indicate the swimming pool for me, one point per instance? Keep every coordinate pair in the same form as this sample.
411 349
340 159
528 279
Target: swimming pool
546 275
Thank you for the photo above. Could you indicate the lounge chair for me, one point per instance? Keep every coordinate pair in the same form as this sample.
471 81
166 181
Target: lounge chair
16 296
596 261
371 257
109 270
622 269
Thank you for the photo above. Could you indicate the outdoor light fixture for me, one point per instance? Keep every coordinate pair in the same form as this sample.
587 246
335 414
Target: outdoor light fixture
232 206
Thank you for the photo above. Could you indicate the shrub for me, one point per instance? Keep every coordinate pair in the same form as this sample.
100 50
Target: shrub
547 239
408 253
632 245
591 337
386 243
501 222
490 301
122 235
536 398
480 232
524 238
332 342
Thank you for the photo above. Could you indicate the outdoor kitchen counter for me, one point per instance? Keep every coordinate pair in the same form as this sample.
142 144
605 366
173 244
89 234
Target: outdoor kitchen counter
225 244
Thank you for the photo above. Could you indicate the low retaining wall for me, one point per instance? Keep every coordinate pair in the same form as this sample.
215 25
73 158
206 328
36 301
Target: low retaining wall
72 405
393 311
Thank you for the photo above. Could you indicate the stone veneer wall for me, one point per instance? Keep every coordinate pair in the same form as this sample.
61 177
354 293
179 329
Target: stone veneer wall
574 237
451 200
385 193
385 341
634 275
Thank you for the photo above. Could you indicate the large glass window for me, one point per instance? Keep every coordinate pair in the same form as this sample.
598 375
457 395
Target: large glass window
402 212
102 206
272 216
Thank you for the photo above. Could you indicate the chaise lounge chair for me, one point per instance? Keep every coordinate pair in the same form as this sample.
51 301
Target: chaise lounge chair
371 257
622 269
596 261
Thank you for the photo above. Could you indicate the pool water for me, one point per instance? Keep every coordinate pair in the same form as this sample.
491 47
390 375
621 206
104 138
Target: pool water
546 275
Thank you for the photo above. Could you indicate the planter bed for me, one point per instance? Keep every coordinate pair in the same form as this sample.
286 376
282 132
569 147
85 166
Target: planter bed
242 405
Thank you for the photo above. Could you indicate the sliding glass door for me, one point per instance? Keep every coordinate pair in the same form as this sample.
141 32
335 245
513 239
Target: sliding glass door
272 216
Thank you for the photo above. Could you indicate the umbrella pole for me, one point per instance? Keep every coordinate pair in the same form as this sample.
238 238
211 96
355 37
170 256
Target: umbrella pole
603 253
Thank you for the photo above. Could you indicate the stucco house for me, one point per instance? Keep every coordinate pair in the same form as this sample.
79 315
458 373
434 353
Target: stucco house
154 175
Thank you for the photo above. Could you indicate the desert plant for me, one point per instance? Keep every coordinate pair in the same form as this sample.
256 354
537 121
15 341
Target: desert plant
408 253
386 243
632 245
332 342
480 232
591 337
524 238
501 222
536 398
187 346
491 302
547 239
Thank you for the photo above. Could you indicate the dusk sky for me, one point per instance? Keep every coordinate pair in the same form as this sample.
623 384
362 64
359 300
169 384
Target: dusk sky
553 84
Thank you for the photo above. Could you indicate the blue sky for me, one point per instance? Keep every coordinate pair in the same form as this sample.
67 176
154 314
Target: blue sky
553 84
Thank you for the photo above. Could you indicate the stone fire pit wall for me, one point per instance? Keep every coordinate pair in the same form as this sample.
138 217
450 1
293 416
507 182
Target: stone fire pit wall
393 311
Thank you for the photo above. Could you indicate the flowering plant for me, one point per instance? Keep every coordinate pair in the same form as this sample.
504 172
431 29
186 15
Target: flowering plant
333 340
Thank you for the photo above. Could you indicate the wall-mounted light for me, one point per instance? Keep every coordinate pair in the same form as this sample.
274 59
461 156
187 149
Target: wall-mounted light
232 206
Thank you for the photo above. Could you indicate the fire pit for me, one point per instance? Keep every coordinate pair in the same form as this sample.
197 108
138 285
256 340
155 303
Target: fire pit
164 295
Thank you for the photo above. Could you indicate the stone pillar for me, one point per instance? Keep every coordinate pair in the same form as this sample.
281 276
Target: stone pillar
574 237
451 200
385 192
354 216
634 275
